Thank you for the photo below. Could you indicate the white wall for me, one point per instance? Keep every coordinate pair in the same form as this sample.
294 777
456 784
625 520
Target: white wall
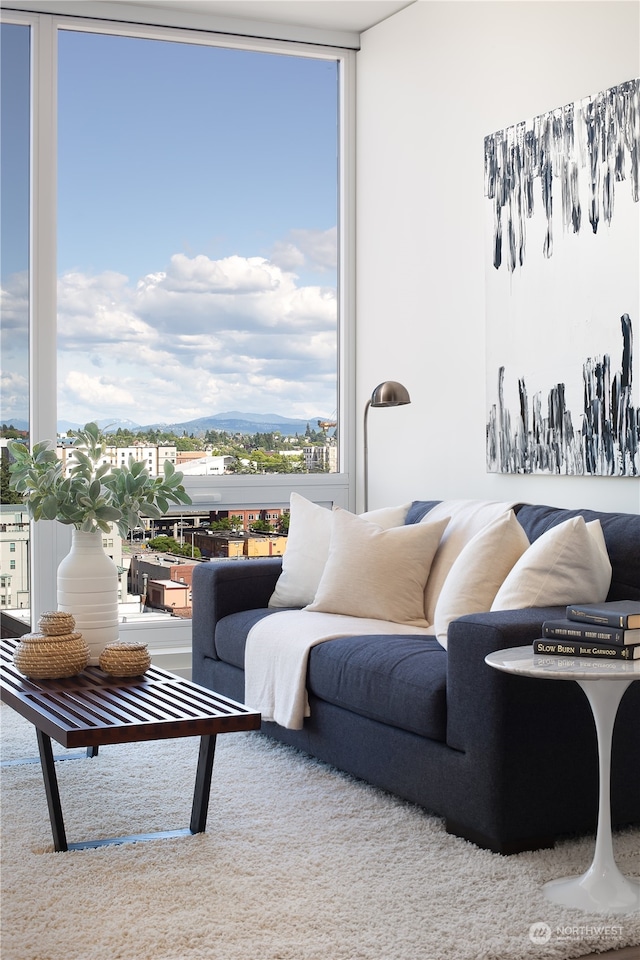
433 80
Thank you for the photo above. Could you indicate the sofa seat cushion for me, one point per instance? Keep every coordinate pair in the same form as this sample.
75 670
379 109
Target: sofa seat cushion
231 634
399 680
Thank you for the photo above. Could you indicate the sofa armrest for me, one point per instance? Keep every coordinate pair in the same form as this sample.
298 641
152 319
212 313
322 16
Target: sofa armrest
222 588
475 691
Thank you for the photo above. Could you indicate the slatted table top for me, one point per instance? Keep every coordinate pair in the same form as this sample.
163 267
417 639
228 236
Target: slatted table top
93 709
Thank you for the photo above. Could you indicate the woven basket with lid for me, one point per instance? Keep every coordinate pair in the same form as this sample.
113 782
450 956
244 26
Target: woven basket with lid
43 657
55 623
121 659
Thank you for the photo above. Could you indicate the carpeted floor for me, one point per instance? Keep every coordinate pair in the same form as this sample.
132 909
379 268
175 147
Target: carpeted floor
299 862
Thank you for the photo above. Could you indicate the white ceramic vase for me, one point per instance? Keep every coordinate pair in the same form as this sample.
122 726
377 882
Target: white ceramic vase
88 589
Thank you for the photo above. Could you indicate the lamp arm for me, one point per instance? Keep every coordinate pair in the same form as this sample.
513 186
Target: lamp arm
366 457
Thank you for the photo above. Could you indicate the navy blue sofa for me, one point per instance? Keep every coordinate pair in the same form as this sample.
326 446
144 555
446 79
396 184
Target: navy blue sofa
510 763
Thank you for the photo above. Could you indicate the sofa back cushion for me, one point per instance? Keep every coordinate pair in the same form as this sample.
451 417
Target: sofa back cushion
466 519
621 534
479 572
565 565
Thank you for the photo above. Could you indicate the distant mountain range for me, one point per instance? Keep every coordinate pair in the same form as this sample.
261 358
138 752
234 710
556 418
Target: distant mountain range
108 425
16 424
237 422
233 421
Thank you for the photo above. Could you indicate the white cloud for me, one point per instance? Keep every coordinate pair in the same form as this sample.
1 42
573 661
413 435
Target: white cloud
316 250
97 310
229 275
231 294
287 255
202 337
14 390
14 302
96 392
320 247
14 347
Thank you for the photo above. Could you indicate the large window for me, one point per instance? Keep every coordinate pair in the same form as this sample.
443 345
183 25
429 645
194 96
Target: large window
189 252
197 238
15 44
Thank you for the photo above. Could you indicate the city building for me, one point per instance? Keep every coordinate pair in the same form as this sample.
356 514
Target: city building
217 545
151 565
204 465
243 517
321 458
14 558
171 596
152 455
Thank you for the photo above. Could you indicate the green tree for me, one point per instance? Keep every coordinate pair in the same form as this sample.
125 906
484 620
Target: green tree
283 523
261 526
7 495
187 550
223 524
11 433
164 544
122 438
188 443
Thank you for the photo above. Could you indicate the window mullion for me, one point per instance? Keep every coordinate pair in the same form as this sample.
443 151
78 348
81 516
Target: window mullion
45 536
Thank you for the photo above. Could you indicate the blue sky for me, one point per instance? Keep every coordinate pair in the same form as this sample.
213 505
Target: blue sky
197 216
14 168
204 151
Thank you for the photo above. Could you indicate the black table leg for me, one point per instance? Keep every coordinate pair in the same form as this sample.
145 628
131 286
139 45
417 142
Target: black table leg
52 791
203 784
199 808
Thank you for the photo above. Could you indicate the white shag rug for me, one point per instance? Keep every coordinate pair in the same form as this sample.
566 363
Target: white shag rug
299 862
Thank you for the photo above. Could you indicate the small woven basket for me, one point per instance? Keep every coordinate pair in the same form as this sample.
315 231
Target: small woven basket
43 657
120 659
56 623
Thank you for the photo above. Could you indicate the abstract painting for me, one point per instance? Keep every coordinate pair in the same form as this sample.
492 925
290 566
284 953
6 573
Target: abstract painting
563 289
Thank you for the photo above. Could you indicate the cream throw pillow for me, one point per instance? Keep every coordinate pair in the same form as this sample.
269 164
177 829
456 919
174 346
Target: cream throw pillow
307 549
567 564
478 572
466 518
376 573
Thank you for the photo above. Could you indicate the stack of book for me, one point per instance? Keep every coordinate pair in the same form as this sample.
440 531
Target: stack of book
606 630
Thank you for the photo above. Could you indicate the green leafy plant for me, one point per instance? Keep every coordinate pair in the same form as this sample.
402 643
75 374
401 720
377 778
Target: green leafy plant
94 494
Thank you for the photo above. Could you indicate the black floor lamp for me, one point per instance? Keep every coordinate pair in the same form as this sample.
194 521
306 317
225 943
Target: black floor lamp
387 394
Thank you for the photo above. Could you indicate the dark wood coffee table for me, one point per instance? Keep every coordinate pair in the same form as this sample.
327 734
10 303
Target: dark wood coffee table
93 710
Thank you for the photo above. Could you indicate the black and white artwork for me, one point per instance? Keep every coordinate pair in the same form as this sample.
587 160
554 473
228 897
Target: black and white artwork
563 289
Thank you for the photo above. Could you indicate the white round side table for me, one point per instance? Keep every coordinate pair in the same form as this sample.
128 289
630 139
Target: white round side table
603 888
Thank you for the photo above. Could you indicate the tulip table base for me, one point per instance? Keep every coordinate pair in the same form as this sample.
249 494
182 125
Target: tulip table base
603 888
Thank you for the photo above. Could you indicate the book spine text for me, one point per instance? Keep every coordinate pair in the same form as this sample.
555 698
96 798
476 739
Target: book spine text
577 649
584 632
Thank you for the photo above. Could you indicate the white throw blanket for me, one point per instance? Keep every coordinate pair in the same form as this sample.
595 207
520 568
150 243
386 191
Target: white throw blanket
277 649
277 652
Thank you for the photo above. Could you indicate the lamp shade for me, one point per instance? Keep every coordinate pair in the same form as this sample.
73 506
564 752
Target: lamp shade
390 394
